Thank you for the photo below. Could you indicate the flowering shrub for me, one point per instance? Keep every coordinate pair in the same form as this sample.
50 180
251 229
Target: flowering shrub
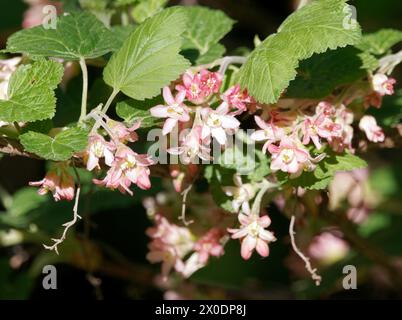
252 127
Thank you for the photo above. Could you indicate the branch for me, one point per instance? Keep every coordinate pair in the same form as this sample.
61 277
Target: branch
317 278
14 148
67 225
183 206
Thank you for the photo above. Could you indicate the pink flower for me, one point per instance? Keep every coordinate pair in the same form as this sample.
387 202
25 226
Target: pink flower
253 234
170 244
217 123
123 133
175 110
128 167
383 85
99 148
328 248
34 16
241 193
290 156
237 99
320 126
268 132
60 185
374 133
209 245
343 117
193 146
199 87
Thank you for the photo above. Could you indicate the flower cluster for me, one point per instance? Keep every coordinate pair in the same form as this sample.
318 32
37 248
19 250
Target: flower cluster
171 245
191 109
58 181
126 166
290 132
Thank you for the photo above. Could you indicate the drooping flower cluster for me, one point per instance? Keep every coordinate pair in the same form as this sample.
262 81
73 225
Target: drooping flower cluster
179 249
126 166
58 181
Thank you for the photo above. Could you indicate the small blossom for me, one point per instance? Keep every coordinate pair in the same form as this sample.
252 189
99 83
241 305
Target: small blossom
199 87
237 99
383 85
328 248
217 123
170 244
268 132
374 133
128 167
192 147
99 148
174 111
209 245
122 133
61 184
290 156
241 193
319 127
253 235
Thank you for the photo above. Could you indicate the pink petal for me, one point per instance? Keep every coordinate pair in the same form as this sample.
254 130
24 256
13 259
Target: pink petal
168 126
262 248
159 111
247 246
167 95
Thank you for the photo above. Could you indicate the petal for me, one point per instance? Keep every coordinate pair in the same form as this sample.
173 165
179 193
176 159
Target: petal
230 122
167 95
92 162
267 235
262 248
219 134
180 97
247 246
264 221
159 111
168 126
261 123
259 135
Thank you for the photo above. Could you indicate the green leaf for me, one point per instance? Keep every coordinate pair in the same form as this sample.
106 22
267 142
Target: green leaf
205 29
133 110
318 76
314 28
77 35
30 92
380 42
369 62
121 33
147 9
59 148
149 58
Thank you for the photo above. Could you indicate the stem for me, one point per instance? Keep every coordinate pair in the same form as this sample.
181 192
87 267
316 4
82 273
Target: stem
183 206
255 210
84 89
223 62
110 100
317 278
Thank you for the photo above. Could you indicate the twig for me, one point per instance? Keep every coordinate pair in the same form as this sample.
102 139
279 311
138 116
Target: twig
183 206
317 278
69 224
